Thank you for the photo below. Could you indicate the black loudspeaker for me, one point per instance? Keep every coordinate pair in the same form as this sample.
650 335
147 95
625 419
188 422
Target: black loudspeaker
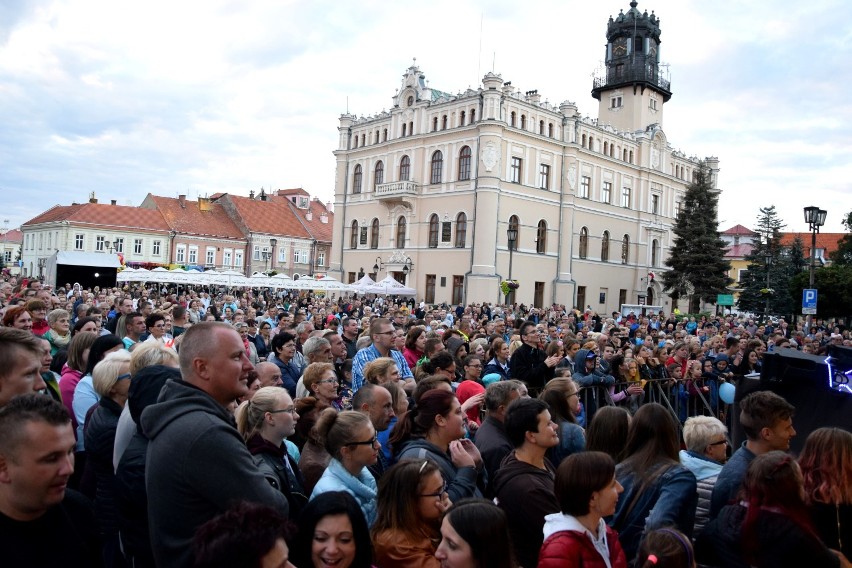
804 381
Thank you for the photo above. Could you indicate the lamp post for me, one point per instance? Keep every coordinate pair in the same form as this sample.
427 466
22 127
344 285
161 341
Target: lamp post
512 235
767 262
272 243
815 218
266 256
378 266
172 235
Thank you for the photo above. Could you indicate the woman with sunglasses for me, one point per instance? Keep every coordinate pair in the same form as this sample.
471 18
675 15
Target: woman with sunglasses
350 440
412 499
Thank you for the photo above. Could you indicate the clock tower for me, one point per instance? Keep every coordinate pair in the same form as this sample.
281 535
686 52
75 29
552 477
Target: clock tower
632 87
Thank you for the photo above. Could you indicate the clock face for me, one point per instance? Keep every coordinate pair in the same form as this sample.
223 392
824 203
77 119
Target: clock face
619 48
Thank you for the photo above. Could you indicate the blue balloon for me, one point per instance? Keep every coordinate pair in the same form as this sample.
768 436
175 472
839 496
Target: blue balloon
727 392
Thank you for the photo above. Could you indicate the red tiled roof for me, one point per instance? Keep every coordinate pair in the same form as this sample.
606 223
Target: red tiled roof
319 230
14 236
186 217
291 191
272 216
739 251
825 241
739 230
103 215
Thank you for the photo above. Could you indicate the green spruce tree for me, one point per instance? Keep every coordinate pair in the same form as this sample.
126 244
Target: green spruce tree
843 255
698 268
766 285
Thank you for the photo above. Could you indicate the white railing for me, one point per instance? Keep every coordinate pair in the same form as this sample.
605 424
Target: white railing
396 188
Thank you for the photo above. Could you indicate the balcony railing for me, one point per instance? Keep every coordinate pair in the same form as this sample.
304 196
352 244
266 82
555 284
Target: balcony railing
629 73
396 189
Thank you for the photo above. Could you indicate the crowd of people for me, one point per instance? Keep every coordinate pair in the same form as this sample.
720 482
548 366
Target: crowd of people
211 428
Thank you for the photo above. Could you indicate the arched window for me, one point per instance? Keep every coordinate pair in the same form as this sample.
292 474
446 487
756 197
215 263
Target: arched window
591 143
606 147
461 230
625 249
404 129
379 174
363 140
523 122
411 128
355 144
400 233
541 237
631 156
462 116
444 122
404 168
550 130
353 237
624 155
472 116
541 127
611 150
515 224
376 140
356 179
464 163
512 119
584 140
385 135
434 124
605 247
437 167
433 231
374 234
584 243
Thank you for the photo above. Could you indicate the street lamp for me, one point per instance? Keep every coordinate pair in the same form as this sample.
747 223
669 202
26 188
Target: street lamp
272 243
512 235
378 266
767 262
408 265
815 218
266 255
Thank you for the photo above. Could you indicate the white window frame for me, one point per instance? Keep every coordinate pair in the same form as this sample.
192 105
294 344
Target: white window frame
79 241
516 169
119 245
321 258
544 176
227 257
238 259
192 256
585 187
155 248
655 204
626 197
180 254
256 253
210 256
100 243
300 256
137 246
606 192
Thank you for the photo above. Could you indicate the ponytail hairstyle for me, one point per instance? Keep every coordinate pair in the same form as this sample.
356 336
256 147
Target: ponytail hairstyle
665 548
417 422
334 430
250 414
440 361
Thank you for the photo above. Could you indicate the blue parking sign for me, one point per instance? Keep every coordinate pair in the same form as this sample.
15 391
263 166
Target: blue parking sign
809 301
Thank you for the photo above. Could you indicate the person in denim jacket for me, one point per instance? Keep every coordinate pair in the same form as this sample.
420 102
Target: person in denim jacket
658 490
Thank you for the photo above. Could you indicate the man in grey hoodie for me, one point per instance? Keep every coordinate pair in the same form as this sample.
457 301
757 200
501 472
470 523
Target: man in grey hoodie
198 464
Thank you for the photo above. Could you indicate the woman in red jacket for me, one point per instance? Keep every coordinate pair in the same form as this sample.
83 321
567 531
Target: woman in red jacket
587 492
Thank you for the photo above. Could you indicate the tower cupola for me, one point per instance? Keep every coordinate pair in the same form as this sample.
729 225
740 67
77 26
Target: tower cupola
632 81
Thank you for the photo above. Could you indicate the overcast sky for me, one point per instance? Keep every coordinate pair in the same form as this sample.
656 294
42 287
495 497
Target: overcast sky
198 97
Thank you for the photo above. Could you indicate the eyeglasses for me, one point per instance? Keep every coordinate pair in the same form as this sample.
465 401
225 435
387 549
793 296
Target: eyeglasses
291 411
575 393
438 494
122 377
719 443
371 442
326 381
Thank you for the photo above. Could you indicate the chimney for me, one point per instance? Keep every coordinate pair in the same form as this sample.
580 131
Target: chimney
328 205
112 201
533 97
92 198
204 204
182 199
251 195
324 218
309 215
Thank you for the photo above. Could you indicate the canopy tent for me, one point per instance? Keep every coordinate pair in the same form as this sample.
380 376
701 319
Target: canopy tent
389 286
362 284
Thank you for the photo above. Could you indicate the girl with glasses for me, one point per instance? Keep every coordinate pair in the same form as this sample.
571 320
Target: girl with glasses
412 499
350 439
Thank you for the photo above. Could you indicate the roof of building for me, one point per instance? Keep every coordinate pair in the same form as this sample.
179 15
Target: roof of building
826 241
103 215
13 236
202 217
318 230
739 251
740 230
271 215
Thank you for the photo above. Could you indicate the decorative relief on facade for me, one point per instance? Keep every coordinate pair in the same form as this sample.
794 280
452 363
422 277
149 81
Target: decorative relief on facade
572 177
490 157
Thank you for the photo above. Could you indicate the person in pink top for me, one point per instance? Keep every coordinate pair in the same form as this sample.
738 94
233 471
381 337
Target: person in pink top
471 386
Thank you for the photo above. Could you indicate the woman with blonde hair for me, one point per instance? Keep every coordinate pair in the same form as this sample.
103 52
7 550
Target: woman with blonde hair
826 462
264 422
152 353
111 379
381 370
412 499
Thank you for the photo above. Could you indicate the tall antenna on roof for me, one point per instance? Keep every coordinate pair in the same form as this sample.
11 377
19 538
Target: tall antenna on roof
347 104
479 57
